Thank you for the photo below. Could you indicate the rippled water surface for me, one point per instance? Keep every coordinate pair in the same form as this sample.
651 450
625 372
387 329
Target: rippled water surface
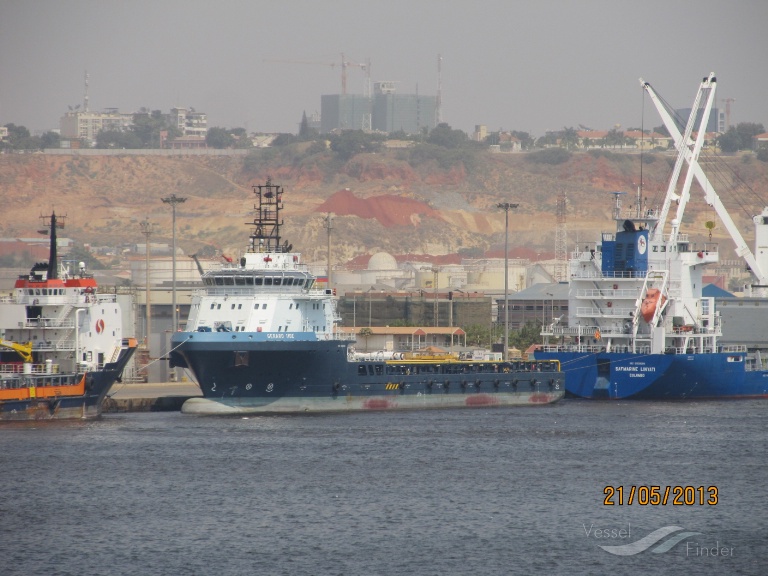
487 491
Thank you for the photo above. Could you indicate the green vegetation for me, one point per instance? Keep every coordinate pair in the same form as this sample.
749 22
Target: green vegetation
549 156
19 138
739 137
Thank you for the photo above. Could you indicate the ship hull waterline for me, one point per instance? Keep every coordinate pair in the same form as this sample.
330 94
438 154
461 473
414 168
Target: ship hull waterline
284 377
618 376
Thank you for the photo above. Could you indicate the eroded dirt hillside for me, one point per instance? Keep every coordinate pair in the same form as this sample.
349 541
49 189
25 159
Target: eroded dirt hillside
380 201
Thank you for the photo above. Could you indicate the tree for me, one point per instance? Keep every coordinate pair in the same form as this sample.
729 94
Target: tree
747 132
147 127
118 139
526 140
445 136
219 138
730 141
614 138
50 140
305 132
569 139
365 333
351 142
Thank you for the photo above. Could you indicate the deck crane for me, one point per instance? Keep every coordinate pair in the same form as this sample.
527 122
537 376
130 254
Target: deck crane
688 151
23 350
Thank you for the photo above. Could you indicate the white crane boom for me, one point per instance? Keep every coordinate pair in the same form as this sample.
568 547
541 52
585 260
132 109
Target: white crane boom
683 144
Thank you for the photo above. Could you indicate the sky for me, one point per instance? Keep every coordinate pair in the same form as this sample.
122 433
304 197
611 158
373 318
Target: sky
530 65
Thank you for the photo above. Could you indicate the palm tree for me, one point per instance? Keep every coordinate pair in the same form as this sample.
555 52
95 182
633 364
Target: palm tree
366 332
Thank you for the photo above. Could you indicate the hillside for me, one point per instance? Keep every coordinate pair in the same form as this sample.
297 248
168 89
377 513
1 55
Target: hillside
381 202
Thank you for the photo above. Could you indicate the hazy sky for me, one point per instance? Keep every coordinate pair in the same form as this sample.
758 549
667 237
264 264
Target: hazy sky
527 65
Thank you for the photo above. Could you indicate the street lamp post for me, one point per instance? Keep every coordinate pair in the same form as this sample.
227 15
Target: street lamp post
173 200
329 227
146 229
370 291
506 206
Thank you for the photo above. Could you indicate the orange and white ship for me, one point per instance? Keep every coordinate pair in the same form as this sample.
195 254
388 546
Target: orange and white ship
61 343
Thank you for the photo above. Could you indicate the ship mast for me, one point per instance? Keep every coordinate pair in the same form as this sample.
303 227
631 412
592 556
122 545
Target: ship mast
51 224
265 236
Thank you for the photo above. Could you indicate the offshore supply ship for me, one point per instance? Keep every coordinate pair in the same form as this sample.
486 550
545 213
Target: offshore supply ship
62 345
638 324
262 337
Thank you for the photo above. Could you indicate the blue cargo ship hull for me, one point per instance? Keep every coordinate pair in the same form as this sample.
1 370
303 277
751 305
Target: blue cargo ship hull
255 373
658 376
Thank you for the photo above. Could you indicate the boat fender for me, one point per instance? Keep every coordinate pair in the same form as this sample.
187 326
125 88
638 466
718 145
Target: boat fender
430 383
477 383
88 382
401 386
446 384
496 383
551 383
336 386
533 382
463 384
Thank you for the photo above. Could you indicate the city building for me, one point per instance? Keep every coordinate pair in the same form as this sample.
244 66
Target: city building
409 113
385 111
85 125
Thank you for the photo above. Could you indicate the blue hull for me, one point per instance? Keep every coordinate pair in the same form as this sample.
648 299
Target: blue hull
258 373
658 376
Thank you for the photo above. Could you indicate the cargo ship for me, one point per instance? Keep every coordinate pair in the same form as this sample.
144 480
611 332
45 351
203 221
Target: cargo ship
263 337
638 324
62 345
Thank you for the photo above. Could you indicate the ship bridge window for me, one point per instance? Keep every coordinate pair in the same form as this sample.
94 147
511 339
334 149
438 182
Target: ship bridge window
288 282
239 306
278 281
299 281
229 281
249 281
233 306
240 281
219 281
213 305
268 281
258 281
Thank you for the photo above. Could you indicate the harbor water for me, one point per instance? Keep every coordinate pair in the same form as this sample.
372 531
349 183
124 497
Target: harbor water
486 492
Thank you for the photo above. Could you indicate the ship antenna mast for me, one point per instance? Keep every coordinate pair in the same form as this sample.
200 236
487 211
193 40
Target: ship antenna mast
50 225
265 236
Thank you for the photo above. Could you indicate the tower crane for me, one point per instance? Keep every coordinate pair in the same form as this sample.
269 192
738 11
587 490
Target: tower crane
366 67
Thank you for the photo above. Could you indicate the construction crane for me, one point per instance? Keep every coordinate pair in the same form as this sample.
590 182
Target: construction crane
366 67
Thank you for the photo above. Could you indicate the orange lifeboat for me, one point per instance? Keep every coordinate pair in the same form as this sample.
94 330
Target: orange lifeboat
653 299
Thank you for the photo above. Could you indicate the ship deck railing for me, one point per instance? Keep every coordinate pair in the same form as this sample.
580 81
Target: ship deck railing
584 312
19 368
608 293
616 275
265 290
593 348
21 381
49 323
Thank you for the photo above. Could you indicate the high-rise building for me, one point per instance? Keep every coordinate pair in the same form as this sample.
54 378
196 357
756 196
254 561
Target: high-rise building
386 111
393 112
